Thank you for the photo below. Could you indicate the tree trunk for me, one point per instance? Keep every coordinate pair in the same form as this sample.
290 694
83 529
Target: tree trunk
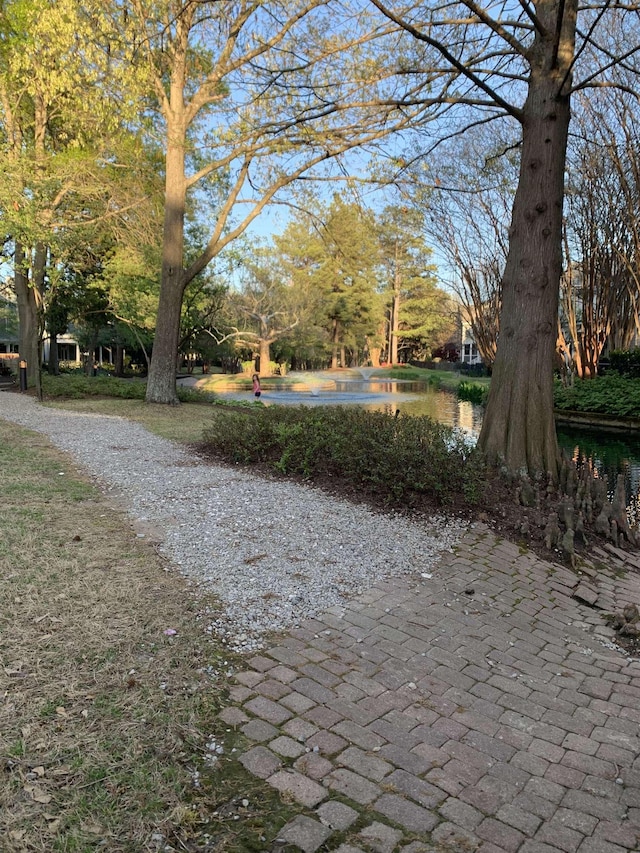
53 366
265 357
395 313
118 362
27 315
518 432
39 274
374 355
335 339
161 383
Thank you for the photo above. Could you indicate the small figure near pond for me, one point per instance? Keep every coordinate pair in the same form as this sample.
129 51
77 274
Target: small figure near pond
256 385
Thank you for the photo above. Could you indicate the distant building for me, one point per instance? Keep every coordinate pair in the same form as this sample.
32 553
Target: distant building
68 347
469 353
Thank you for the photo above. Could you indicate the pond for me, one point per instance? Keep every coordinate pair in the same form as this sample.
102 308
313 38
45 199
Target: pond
609 453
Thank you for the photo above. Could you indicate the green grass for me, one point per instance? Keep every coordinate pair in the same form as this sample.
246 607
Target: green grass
473 392
448 379
416 374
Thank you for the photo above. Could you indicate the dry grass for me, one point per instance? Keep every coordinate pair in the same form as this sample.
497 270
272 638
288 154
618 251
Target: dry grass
184 423
104 719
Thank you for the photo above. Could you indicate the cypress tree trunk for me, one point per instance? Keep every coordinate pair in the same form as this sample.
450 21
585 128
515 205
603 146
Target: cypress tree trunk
518 431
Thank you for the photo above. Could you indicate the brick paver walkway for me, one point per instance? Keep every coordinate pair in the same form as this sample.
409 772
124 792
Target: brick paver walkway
485 708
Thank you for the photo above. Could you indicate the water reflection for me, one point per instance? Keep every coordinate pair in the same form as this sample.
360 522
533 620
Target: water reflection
381 386
607 454
442 406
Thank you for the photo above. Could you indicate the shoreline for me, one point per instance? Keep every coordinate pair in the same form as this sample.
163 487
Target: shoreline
596 420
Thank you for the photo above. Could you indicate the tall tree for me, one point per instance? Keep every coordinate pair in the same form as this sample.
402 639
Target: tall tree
264 309
419 314
522 62
600 293
335 252
62 136
253 95
468 221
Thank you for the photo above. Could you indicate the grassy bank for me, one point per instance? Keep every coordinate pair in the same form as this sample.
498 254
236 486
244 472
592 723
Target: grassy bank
108 723
447 379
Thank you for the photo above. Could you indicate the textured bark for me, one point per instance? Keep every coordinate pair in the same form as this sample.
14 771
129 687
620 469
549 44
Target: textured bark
518 431
161 383
27 316
265 357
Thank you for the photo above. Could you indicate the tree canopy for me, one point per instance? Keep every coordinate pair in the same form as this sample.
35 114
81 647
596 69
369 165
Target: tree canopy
520 63
231 103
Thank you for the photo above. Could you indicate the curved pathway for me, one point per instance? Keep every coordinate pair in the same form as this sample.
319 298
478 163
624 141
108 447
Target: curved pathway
479 703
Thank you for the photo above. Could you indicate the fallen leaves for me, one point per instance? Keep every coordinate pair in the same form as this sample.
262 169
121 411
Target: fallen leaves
37 794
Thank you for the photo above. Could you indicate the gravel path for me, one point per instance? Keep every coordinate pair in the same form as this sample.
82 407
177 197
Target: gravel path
273 552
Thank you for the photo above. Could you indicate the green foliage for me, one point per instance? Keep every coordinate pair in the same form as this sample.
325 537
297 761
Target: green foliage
626 362
402 372
423 317
396 460
473 393
78 386
331 258
8 319
614 395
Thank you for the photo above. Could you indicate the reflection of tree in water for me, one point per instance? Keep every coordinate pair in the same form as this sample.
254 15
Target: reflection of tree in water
607 455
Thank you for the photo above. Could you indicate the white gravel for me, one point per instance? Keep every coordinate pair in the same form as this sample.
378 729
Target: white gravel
273 552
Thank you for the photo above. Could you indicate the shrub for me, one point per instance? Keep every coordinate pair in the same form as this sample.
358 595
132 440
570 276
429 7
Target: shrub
626 362
473 393
78 385
614 395
396 460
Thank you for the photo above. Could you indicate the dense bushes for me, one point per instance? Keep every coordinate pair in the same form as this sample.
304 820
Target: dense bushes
76 386
398 460
617 393
626 362
614 395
